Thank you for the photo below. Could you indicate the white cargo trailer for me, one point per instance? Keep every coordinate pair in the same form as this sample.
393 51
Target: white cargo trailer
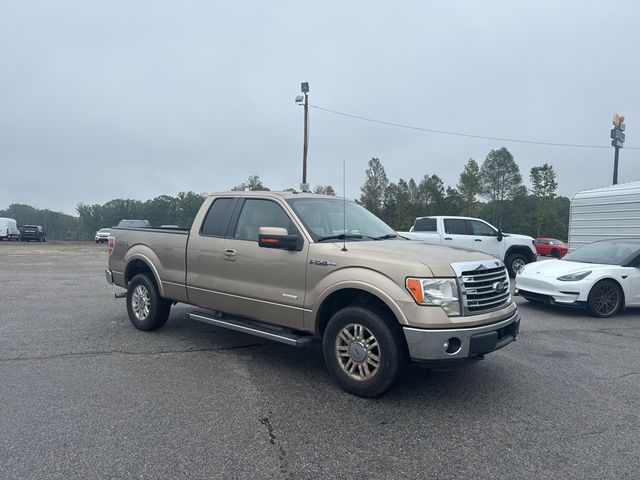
606 212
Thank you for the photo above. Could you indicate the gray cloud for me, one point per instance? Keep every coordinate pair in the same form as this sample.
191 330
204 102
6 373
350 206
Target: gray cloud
136 99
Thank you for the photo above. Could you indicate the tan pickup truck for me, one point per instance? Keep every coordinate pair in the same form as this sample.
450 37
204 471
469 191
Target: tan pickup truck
296 267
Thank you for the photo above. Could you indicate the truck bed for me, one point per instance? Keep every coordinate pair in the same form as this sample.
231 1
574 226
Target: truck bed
165 248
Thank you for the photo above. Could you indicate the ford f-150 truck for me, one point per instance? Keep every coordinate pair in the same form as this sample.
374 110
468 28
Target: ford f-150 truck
514 250
297 267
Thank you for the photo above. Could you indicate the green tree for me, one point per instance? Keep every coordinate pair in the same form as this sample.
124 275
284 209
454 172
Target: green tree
469 185
396 211
543 188
253 183
454 202
500 180
431 195
324 190
188 205
374 188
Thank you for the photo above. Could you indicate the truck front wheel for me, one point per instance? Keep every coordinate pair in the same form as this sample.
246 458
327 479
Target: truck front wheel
515 262
146 308
363 351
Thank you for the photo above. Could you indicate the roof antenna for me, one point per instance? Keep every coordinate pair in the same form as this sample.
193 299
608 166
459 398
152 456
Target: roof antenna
344 208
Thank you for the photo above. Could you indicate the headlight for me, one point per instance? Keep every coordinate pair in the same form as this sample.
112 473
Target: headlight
442 292
574 277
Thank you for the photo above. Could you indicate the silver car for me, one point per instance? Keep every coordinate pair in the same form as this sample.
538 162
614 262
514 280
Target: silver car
102 235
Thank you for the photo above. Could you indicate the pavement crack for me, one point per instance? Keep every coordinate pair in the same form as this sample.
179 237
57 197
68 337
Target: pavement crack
125 352
267 423
605 331
630 374
282 456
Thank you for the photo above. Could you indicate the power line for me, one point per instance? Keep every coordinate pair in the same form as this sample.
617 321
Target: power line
458 134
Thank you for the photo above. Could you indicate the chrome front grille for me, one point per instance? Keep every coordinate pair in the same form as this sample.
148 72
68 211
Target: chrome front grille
484 286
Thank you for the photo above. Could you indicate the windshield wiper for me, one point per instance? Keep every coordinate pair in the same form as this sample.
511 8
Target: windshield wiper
385 237
340 236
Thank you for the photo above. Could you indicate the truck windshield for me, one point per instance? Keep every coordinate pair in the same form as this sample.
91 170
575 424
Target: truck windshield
329 219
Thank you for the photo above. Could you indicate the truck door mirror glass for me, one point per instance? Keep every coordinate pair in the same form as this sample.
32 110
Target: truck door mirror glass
277 237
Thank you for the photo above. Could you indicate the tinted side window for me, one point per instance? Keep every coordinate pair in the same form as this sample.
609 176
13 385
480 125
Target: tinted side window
425 225
215 223
261 213
481 229
455 226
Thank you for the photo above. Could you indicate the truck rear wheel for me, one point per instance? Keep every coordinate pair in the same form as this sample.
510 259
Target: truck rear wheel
146 308
363 351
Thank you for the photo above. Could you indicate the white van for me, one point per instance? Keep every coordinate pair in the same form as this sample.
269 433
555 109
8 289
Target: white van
9 229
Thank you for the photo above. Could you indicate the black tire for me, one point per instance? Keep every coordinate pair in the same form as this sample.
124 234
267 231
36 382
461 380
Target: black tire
146 308
387 346
513 262
555 253
605 299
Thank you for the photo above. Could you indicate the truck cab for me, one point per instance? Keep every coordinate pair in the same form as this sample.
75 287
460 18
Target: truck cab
475 234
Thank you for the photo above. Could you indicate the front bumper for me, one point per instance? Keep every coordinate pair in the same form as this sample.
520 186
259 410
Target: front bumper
460 343
551 290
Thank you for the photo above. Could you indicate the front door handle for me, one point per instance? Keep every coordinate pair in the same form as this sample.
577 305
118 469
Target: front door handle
448 238
477 239
230 254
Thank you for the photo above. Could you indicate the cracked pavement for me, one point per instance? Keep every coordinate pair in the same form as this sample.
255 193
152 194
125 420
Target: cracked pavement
85 395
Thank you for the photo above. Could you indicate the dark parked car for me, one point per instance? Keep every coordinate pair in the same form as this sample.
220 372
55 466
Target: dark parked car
32 232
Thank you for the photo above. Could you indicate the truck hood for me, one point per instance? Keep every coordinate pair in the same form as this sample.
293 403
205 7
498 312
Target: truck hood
524 238
438 258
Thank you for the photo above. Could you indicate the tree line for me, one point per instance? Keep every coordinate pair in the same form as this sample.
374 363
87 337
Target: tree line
493 190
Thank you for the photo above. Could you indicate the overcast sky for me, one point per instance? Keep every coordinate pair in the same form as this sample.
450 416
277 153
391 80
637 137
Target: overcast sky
134 99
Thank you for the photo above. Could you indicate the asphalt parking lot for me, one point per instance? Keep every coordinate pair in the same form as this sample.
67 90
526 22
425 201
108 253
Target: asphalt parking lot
85 395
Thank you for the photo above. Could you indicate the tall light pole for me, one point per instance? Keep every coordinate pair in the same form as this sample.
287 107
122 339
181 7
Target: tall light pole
304 186
617 141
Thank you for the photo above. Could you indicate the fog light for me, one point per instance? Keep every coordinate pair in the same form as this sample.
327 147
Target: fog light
452 345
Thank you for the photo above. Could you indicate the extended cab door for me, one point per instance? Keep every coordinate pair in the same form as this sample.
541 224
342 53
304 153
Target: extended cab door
205 253
454 233
267 284
485 238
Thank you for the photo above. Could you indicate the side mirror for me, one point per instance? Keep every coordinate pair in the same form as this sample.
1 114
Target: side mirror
277 237
500 235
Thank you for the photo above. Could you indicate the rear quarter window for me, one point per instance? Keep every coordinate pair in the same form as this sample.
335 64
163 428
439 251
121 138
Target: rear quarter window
215 223
425 225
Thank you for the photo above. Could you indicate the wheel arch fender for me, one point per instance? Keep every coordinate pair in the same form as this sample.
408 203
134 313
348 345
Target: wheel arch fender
614 280
137 258
383 289
521 249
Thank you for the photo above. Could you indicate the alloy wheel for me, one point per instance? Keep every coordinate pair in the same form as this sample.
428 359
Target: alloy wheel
140 302
358 352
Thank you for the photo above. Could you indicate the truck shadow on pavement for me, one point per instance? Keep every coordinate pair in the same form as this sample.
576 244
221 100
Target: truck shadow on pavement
301 372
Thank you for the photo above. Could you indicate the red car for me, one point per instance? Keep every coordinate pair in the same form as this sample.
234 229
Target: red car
551 246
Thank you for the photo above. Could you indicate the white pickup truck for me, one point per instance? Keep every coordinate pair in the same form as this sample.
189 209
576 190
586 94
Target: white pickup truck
475 234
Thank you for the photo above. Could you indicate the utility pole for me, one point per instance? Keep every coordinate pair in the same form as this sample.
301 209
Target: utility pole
304 186
617 140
